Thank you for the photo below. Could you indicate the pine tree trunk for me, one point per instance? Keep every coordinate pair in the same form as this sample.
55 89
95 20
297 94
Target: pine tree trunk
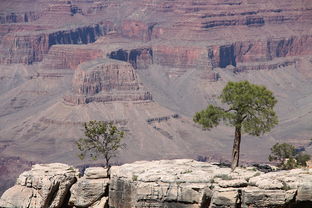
236 148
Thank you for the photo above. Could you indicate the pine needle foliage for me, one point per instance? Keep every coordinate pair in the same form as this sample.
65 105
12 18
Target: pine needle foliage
101 139
249 108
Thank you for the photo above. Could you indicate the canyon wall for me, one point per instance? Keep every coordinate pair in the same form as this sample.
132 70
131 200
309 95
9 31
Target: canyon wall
140 58
15 17
69 56
29 47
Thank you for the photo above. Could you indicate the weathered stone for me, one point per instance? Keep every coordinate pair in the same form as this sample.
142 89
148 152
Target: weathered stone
95 173
105 80
224 198
86 191
194 184
45 185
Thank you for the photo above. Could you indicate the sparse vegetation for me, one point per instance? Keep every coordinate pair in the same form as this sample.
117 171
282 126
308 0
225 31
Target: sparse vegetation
134 177
285 186
224 177
102 139
250 109
287 157
187 171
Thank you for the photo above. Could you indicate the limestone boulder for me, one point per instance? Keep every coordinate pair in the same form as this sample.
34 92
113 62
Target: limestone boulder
45 185
190 184
90 189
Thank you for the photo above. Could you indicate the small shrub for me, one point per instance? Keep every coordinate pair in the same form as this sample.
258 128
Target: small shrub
256 174
285 186
187 171
224 177
287 157
134 177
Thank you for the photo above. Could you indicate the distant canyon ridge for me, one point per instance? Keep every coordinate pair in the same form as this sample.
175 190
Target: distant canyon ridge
147 66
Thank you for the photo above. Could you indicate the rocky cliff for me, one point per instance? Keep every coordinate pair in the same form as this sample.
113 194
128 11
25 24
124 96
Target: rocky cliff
165 183
105 80
69 56
28 47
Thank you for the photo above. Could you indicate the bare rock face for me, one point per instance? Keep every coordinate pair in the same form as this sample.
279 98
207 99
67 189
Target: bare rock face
181 56
91 189
45 185
137 30
187 183
28 47
140 58
69 56
106 80
15 17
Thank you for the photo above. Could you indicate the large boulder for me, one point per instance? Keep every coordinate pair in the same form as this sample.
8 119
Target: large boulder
45 185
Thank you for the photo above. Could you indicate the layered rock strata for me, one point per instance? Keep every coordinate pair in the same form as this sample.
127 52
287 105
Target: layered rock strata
105 80
166 183
29 47
14 17
140 58
69 56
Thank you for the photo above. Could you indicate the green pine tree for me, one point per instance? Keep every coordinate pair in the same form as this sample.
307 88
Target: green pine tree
249 109
102 139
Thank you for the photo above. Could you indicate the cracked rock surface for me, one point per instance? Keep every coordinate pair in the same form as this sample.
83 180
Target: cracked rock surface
45 185
187 183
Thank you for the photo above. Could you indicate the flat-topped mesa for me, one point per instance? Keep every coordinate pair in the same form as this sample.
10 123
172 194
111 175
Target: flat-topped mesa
69 56
106 80
28 47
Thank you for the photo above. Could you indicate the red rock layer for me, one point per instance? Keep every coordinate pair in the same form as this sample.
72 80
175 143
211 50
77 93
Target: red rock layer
69 56
15 17
104 81
30 47
180 56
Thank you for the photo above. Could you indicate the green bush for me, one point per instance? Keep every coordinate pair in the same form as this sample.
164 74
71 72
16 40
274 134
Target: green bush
287 157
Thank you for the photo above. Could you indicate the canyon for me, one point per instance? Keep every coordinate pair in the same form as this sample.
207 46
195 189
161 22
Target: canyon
147 66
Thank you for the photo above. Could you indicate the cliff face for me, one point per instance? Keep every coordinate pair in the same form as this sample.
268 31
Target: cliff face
69 56
165 183
29 47
18 17
106 80
140 58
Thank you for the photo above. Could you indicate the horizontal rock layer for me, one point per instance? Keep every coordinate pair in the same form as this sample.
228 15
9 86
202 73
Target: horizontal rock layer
105 80
29 47
69 56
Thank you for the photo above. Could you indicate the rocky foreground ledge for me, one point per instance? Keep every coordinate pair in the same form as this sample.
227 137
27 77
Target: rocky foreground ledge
165 183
